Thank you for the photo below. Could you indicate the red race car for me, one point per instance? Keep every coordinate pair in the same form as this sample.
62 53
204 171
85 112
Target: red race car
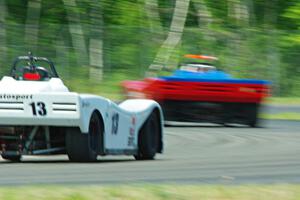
198 92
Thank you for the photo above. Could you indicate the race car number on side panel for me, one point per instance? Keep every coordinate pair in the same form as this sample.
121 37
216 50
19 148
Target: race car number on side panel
115 123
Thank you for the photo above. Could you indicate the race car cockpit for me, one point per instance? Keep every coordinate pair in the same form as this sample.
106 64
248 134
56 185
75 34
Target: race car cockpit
197 67
35 74
31 71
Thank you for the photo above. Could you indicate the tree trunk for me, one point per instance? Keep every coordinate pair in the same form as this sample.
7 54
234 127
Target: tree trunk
3 13
203 14
239 15
251 12
96 43
76 32
32 24
205 18
238 12
62 57
151 8
174 36
273 57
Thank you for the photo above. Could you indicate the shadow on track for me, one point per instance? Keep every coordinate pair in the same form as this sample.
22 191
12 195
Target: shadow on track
205 125
60 161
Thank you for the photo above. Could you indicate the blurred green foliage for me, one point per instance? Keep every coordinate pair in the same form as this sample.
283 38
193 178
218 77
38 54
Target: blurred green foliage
252 38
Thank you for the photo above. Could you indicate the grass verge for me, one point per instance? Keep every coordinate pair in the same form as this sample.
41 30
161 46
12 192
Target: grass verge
283 101
281 116
153 192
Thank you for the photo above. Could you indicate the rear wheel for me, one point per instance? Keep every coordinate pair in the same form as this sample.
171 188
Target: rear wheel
12 158
148 139
253 115
85 147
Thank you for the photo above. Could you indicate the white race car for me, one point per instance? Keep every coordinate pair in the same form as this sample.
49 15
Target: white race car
38 115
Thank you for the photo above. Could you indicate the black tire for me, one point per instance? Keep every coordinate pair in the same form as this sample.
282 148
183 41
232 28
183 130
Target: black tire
148 139
227 113
85 147
12 158
253 115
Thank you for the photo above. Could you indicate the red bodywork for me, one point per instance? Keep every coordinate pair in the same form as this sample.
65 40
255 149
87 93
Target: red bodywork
160 90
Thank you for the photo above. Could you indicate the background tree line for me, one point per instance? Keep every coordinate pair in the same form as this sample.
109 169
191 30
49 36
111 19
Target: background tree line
96 44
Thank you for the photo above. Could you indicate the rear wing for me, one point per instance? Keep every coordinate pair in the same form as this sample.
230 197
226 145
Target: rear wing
48 109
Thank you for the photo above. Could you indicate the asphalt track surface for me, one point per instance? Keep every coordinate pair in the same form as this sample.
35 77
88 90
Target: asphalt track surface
196 154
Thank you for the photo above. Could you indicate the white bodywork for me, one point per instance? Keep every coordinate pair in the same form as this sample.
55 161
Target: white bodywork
49 103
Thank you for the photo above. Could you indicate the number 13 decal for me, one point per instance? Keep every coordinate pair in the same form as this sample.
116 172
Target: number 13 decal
115 123
38 108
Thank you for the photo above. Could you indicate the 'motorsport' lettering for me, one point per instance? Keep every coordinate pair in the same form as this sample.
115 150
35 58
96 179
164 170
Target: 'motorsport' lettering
15 96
